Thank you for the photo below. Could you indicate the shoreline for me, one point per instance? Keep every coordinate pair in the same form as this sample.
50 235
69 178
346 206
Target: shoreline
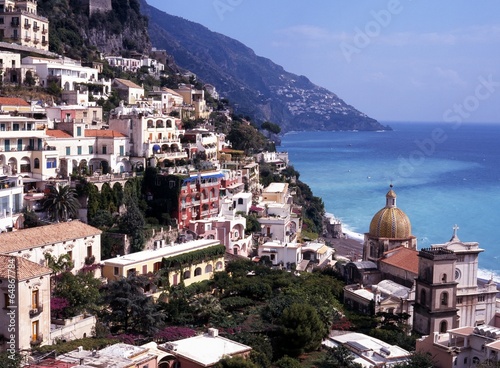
351 248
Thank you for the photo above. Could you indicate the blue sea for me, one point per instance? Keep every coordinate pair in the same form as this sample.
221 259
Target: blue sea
443 175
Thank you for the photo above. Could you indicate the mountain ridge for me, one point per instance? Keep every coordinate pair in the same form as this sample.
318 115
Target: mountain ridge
254 84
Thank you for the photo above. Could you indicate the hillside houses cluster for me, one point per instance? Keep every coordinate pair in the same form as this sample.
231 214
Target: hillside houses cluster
43 145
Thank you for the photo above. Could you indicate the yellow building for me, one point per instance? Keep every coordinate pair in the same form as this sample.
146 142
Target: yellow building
150 261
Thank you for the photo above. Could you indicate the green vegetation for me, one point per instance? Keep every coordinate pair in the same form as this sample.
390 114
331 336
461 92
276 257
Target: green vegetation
61 203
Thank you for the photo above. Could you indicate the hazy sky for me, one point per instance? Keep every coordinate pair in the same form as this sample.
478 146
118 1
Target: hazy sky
395 60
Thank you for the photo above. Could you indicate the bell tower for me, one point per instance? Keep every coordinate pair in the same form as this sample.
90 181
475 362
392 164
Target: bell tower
435 307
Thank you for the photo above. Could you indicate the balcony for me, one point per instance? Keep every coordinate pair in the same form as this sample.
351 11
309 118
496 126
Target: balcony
14 24
36 340
27 25
27 39
36 28
44 31
36 311
89 260
44 43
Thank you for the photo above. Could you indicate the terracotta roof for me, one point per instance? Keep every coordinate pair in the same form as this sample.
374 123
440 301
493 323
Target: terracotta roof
127 83
13 101
25 269
44 235
103 133
56 133
402 258
171 91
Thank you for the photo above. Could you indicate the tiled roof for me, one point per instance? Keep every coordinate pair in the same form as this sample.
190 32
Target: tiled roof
56 133
171 91
42 235
13 101
103 133
402 258
127 83
25 269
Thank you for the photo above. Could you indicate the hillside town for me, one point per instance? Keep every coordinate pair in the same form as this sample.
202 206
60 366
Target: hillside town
151 190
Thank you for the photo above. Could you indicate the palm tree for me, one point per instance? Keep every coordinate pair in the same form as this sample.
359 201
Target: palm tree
61 203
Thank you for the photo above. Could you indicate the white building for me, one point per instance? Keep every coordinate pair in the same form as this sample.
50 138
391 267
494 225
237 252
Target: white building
287 255
67 73
151 136
369 351
80 241
11 201
169 99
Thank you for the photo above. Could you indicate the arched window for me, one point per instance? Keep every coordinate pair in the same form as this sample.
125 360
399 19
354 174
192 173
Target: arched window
197 271
208 268
186 275
218 266
444 298
444 278
423 297
443 326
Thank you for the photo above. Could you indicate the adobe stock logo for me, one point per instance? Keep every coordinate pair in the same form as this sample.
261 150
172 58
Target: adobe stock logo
221 7
372 29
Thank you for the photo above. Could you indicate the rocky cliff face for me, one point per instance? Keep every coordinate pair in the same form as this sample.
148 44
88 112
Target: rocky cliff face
78 28
255 85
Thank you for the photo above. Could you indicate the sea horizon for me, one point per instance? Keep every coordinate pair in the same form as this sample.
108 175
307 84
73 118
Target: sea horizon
444 174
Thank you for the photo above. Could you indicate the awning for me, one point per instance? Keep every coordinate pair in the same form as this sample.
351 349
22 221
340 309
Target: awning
156 148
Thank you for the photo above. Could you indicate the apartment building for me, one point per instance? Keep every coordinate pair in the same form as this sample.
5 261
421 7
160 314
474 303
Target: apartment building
21 24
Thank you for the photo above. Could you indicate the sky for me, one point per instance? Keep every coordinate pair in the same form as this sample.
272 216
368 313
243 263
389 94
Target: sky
395 60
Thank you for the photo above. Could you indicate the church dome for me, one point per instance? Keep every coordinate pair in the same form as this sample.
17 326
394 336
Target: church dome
390 221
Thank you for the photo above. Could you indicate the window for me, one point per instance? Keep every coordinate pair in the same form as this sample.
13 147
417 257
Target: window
104 150
460 258
459 300
15 127
37 163
91 150
197 271
240 200
444 298
443 326
444 278
423 297
131 272
116 271
122 150
51 163
89 251
34 299
481 298
78 131
156 266
1 20
68 151
34 331
187 275
79 150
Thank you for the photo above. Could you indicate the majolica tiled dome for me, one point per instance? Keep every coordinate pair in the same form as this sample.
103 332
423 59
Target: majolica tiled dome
390 221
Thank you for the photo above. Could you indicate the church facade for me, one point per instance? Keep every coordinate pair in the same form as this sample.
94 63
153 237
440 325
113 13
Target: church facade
444 292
